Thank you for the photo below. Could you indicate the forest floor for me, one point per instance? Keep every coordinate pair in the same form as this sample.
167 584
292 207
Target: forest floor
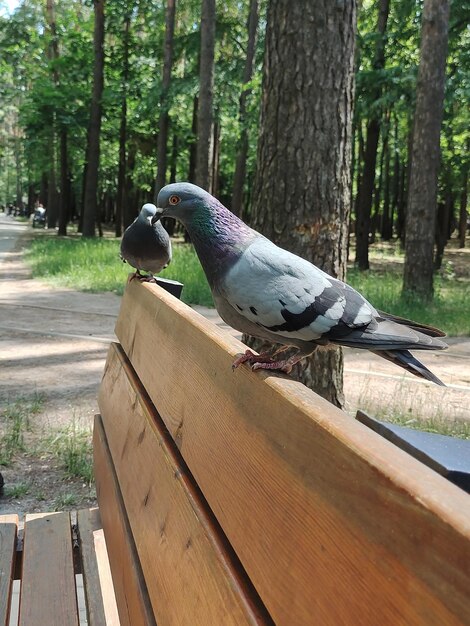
53 347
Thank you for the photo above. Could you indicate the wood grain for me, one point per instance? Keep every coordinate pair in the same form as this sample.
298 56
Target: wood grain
8 532
181 552
106 579
129 586
48 595
332 523
98 588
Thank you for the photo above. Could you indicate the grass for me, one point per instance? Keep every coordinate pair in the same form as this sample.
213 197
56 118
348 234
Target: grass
415 409
15 418
94 265
435 423
73 447
17 491
448 309
65 500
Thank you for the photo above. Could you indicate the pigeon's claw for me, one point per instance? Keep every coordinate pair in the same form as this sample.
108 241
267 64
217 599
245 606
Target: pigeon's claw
149 278
143 278
284 365
245 358
262 360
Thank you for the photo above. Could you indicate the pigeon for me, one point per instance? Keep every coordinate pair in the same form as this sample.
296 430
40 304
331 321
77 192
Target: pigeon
265 291
146 245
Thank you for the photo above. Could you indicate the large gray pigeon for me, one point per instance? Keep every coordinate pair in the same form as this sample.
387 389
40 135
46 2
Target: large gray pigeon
265 291
146 245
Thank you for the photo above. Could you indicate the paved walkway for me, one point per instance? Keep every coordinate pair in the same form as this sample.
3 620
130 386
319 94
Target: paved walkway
9 232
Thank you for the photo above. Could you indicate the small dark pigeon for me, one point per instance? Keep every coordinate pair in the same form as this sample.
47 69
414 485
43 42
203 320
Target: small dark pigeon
267 292
146 245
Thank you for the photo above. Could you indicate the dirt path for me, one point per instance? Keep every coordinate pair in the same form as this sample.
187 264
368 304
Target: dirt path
53 344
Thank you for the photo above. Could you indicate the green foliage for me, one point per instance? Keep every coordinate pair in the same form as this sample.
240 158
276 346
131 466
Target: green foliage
48 94
94 265
42 95
395 107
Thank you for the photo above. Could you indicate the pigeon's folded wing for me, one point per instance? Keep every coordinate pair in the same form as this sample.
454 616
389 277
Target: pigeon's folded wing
290 297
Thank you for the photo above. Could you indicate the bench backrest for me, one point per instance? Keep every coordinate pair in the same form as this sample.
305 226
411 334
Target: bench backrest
243 497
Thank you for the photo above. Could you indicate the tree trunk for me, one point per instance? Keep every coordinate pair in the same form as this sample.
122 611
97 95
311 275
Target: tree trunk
53 55
32 196
444 215
90 208
205 116
359 168
463 210
396 178
372 140
51 205
123 129
403 189
215 158
376 217
19 174
64 184
302 188
163 123
44 189
174 158
386 227
129 209
242 154
422 194
121 181
193 144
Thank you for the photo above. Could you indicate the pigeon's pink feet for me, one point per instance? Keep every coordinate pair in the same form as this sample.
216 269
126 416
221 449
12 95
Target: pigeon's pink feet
148 279
284 365
143 278
250 358
263 360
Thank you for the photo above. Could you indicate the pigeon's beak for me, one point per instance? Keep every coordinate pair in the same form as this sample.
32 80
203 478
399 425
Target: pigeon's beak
157 216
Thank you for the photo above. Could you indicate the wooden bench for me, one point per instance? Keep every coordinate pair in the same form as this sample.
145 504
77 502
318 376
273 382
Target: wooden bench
240 498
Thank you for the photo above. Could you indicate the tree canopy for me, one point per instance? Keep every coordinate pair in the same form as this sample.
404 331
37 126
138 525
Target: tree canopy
46 80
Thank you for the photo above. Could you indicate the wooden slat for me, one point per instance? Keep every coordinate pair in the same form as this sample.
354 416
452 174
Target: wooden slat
8 532
48 594
332 523
129 585
190 572
99 591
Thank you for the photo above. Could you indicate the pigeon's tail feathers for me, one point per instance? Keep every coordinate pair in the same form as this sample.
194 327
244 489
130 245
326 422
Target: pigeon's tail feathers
384 334
404 359
425 329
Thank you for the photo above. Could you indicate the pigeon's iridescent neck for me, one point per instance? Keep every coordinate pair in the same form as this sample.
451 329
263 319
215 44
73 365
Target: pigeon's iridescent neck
219 237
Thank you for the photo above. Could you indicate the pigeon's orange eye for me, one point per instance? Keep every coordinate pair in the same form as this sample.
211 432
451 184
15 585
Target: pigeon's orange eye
174 200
